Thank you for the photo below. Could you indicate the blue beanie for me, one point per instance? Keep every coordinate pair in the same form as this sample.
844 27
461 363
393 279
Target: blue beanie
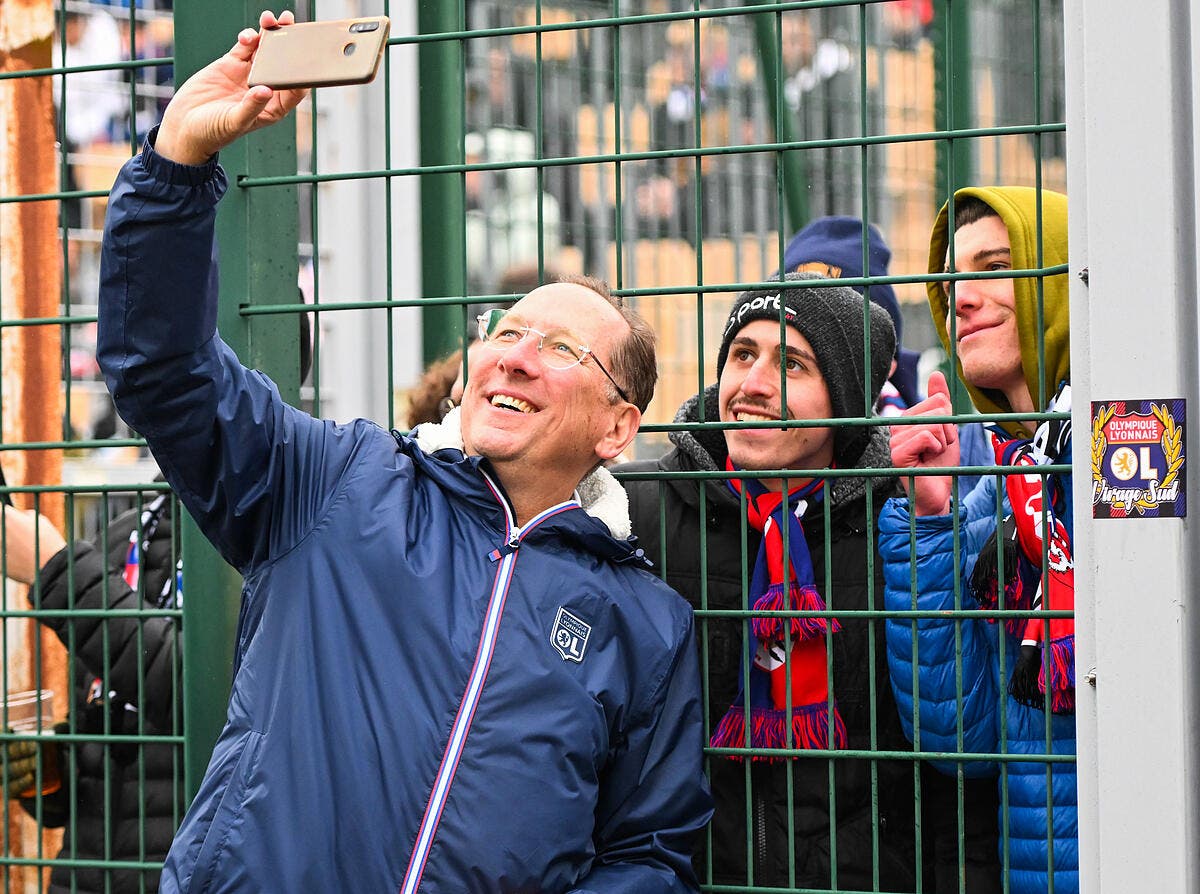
833 247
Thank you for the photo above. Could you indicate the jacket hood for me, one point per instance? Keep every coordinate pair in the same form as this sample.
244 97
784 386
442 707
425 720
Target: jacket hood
1018 208
599 494
706 449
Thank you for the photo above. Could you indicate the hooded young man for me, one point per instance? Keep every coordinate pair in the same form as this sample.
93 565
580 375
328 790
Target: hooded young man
453 672
1017 673
732 544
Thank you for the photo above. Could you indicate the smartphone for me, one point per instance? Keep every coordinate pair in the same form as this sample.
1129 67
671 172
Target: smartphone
320 54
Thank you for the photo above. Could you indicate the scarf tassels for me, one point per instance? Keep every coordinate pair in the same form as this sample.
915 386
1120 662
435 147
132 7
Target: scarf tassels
801 598
810 730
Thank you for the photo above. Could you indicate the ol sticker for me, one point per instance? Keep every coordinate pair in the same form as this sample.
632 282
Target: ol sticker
569 636
1139 459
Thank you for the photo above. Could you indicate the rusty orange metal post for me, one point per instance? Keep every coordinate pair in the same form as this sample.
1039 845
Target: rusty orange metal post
30 356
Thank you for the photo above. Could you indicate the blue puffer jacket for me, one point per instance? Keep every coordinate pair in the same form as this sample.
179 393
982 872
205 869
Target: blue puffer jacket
992 723
425 696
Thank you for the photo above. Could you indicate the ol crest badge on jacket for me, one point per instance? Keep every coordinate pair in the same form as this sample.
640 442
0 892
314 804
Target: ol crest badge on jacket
569 636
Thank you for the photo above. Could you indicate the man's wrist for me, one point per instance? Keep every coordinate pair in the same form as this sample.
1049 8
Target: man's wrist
924 511
931 499
166 147
167 170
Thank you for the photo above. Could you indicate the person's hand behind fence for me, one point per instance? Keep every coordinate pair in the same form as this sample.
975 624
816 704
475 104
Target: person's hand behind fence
929 446
22 768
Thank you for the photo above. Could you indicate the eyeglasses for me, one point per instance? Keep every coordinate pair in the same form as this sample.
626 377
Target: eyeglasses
565 348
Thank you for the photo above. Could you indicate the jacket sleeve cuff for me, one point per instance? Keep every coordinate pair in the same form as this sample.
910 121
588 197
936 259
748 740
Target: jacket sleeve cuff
164 169
894 519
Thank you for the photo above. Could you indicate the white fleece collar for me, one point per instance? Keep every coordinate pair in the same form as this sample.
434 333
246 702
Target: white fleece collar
600 495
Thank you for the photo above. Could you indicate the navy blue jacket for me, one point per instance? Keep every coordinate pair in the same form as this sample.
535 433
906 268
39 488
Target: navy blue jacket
425 696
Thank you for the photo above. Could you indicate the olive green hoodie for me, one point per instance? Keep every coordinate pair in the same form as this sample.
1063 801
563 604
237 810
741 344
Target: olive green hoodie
1017 207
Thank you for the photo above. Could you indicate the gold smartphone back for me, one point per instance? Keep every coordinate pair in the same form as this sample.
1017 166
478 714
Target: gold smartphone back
320 54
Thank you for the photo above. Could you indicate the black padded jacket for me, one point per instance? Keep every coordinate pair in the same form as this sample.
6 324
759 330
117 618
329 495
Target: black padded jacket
666 517
874 832
125 675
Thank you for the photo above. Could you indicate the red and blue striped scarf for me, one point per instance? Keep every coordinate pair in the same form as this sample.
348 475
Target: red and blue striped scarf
1047 658
779 678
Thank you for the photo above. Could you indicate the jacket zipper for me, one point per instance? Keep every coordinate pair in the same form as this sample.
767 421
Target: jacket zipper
479 670
760 836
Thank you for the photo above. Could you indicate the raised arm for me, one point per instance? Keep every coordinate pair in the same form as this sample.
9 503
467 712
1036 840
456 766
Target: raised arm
233 451
941 668
948 668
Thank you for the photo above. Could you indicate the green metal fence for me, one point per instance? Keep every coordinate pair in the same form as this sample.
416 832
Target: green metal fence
669 146
110 743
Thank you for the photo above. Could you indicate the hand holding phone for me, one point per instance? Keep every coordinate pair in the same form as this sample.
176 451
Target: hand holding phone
320 54
216 105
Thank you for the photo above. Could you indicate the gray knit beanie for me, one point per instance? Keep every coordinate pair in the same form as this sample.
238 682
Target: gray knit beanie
831 318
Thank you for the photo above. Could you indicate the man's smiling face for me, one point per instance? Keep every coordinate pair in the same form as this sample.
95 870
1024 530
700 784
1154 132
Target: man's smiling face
982 315
750 391
518 408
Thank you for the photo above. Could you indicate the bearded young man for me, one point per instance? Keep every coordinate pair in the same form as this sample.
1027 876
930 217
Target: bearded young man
1012 687
453 672
803 542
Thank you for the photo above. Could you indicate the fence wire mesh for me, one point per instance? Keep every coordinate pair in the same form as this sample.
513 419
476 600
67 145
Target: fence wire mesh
669 147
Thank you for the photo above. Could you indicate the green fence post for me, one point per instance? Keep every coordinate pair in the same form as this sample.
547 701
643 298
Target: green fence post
953 108
257 231
795 169
443 203
953 92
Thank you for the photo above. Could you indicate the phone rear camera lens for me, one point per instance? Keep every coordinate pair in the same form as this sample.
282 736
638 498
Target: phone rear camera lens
348 50
363 27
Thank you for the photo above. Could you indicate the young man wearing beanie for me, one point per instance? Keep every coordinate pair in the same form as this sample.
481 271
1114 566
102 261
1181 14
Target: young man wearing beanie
732 544
1007 335
833 246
